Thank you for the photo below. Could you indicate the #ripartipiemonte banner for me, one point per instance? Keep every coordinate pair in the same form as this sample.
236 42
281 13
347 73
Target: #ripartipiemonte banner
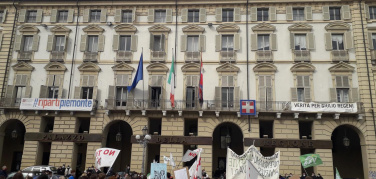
105 157
267 167
56 104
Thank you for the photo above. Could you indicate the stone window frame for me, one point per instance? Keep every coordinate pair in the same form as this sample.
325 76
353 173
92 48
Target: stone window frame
338 28
3 16
371 31
265 69
87 69
159 30
53 68
264 29
219 14
94 30
302 28
54 18
27 30
227 69
343 69
58 30
228 29
22 16
190 69
272 14
368 14
308 16
87 12
118 16
151 15
158 69
345 12
303 69
185 11
125 30
193 30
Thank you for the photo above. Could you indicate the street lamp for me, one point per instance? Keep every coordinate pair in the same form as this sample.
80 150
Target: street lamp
228 140
143 142
14 134
346 141
118 137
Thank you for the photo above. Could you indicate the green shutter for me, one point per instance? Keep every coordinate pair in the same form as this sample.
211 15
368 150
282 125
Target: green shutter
103 15
151 42
83 43
18 42
218 14
253 14
101 43
349 44
184 15
70 15
294 94
35 43
237 15
310 41
150 15
39 15
202 43
183 44
273 42
202 15
370 42
346 14
168 15
308 13
86 15
115 43
272 13
254 42
43 93
50 43
118 15
328 42
237 44
292 41
22 15
134 43
53 17
218 43
289 15
325 13
61 89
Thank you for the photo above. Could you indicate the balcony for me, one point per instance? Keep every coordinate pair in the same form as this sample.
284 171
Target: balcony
340 56
10 102
228 56
91 57
302 56
158 56
264 56
57 56
192 57
123 56
25 56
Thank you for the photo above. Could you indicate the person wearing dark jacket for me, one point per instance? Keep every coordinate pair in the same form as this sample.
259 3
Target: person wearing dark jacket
319 176
3 171
303 176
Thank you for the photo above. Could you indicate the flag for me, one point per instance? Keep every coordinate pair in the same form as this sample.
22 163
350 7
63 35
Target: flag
166 159
189 155
310 160
195 171
337 174
201 84
171 81
139 74
172 161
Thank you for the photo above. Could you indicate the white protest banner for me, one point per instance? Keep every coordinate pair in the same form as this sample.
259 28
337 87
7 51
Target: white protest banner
56 104
181 173
189 155
252 173
105 157
324 107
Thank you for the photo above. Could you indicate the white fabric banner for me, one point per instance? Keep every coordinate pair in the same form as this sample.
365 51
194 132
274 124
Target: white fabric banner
105 157
189 155
324 107
56 104
172 161
195 171
252 173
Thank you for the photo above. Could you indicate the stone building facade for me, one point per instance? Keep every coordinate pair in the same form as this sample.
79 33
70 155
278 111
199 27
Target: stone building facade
275 52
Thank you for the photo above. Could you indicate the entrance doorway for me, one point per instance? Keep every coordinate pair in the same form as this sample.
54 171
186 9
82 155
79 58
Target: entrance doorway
347 152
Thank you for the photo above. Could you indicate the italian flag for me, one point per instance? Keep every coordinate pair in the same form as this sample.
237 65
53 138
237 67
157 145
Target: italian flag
171 81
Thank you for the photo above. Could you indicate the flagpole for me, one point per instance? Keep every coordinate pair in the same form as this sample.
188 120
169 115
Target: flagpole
304 168
143 80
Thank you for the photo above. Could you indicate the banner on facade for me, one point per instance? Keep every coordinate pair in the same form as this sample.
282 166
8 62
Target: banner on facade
267 167
324 107
105 157
56 104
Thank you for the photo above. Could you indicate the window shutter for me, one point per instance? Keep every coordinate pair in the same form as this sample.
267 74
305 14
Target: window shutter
289 15
339 83
22 15
262 93
111 97
328 41
366 10
202 16
130 97
272 14
218 43
370 42
134 14
115 42
354 95
261 81
230 81
269 94
237 44
202 44
10 94
168 15
28 92
95 92
61 84
35 43
348 41
183 44
100 43
308 13
333 95
77 92
237 97
91 80
163 42
43 93
57 80
122 80
306 81
292 41
134 43
86 15
224 81
150 15
253 14
299 81
218 97
50 43
4 16
83 43
273 43
189 80
237 15
326 13
310 41
218 14
195 80
17 43
50 80
103 15
17 80
307 94
254 42
70 15
294 94
346 14
85 79
118 15
151 45
39 15
53 17
345 81
268 81
184 15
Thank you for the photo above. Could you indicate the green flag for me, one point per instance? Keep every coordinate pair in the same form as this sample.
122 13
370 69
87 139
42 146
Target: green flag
310 160
337 174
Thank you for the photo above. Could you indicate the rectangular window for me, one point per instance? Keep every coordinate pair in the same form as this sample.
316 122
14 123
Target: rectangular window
227 97
20 93
337 42
95 15
28 43
305 129
191 94
343 95
127 16
266 129
372 12
125 43
160 16
374 41
63 16
300 42
298 14
158 43
155 96
87 92
335 13
53 92
192 42
93 43
1 16
59 43
227 15
262 14
193 15
31 16
300 94
263 42
227 42
121 96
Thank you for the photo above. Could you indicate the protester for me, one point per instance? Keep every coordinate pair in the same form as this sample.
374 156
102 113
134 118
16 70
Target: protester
3 171
42 176
50 174
204 174
303 176
313 176
61 177
101 176
84 177
308 177
62 170
67 171
128 169
72 174
281 177
18 176
93 176
319 176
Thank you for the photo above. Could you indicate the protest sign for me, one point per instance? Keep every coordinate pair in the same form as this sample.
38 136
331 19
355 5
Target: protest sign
310 160
158 170
189 155
252 173
105 157
181 173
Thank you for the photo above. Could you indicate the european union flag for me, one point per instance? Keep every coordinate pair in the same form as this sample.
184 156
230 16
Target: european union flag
139 74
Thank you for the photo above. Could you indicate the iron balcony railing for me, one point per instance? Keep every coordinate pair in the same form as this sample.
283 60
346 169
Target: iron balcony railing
228 56
192 56
158 56
123 56
340 56
302 56
25 56
264 56
57 56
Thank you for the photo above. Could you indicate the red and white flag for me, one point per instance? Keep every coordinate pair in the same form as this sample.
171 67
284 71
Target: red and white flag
195 171
189 155
171 81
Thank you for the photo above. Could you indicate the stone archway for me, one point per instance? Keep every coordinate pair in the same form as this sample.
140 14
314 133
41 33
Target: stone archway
219 145
12 133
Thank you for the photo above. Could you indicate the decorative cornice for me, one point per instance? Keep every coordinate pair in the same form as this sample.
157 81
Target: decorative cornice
337 26
300 26
89 67
371 28
193 28
263 27
157 67
122 67
228 67
342 67
159 28
93 28
228 28
265 67
55 66
28 28
303 67
125 28
22 66
191 67
60 28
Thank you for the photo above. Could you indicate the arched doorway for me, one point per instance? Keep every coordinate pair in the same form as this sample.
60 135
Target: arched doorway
225 135
347 152
119 137
12 134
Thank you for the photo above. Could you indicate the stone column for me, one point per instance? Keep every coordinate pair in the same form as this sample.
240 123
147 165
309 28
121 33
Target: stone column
136 158
29 156
326 169
62 153
289 160
177 152
90 151
207 158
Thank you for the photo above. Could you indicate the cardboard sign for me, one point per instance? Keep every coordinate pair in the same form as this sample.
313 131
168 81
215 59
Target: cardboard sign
158 171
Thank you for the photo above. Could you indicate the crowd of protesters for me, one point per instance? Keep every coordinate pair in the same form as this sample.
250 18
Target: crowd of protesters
303 176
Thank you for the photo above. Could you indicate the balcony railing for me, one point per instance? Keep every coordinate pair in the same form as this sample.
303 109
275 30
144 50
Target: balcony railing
123 56
10 102
158 56
340 56
25 56
91 57
227 56
192 57
264 56
57 56
302 56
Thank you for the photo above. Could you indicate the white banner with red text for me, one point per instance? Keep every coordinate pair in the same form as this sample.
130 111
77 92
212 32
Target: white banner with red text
105 157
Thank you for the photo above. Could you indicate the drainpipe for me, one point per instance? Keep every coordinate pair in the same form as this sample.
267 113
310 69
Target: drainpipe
176 38
74 49
246 26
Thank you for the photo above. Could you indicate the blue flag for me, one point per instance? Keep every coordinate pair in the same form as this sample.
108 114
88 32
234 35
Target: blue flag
139 74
